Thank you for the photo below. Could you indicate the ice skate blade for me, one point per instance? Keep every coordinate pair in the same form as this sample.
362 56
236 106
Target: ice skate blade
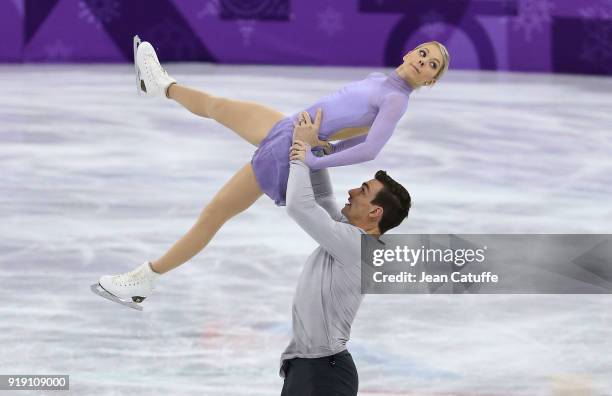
139 82
99 290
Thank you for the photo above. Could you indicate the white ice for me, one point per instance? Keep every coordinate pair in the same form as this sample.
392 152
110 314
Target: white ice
96 180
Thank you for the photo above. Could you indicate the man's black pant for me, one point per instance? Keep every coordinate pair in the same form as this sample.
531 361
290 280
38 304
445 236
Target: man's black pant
334 375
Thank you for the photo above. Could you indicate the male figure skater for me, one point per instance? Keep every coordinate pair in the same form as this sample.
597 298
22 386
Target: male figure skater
328 294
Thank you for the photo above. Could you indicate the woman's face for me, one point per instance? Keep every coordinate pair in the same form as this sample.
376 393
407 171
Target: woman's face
422 64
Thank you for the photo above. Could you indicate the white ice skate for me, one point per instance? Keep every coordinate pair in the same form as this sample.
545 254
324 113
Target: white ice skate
129 289
151 78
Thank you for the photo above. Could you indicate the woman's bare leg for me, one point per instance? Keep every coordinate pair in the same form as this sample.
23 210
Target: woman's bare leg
251 121
240 192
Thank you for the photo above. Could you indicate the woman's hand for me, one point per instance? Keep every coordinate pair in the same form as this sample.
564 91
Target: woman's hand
327 147
298 150
308 132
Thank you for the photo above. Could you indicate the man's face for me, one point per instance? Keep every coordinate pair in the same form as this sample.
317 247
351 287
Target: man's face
359 210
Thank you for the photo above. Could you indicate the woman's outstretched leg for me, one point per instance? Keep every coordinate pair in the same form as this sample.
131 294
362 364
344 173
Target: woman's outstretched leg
251 121
240 192
132 287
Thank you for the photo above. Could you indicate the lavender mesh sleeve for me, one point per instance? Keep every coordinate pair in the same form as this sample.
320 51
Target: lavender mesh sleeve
366 147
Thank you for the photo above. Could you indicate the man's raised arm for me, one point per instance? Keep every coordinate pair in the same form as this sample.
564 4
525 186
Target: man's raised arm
307 132
334 236
324 193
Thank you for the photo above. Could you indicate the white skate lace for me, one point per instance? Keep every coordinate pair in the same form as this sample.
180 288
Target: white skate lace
153 63
132 278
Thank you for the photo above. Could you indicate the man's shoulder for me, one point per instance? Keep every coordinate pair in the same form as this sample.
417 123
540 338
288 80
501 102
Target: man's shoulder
349 236
347 245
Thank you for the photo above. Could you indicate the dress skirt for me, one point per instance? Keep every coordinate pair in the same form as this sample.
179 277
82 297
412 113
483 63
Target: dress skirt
271 161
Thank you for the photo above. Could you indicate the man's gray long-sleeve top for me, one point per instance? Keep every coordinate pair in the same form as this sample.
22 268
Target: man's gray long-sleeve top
328 293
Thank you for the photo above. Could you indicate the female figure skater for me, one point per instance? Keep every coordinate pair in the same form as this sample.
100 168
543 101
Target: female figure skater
361 115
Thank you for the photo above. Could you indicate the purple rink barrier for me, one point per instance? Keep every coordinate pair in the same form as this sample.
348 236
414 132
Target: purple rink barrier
566 36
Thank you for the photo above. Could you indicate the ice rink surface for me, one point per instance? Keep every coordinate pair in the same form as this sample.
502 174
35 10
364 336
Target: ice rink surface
96 180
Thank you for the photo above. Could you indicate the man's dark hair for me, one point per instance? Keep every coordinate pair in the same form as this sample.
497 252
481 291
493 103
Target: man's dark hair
395 201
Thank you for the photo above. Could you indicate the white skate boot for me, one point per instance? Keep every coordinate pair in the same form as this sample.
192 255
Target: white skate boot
130 288
151 78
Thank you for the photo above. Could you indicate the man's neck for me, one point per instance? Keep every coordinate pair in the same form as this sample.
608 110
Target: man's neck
373 231
369 229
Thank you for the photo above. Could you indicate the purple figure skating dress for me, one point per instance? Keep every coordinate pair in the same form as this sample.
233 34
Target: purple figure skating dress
378 102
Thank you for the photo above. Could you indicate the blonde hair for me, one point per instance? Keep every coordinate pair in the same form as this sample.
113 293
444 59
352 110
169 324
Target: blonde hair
445 58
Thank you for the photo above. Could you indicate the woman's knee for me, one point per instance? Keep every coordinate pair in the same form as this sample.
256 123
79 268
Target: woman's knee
238 194
221 209
216 107
215 212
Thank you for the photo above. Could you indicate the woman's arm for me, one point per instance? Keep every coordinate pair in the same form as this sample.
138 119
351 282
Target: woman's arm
344 144
354 150
347 133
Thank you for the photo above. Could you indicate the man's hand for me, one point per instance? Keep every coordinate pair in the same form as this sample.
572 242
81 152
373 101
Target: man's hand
308 132
298 150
